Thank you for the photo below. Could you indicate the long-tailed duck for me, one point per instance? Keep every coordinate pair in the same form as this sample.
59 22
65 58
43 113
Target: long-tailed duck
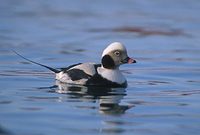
106 74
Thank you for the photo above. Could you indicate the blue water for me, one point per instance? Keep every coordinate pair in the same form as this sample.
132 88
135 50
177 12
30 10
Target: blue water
163 87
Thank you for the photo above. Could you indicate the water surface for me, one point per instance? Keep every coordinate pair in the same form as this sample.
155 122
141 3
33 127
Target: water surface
164 86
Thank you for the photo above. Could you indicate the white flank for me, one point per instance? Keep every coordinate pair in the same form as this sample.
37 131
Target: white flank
63 77
88 68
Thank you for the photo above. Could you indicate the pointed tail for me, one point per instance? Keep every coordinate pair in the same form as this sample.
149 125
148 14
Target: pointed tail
50 68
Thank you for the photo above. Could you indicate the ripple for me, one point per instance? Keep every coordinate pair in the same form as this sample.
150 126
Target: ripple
181 93
31 108
42 98
24 73
5 102
4 131
142 31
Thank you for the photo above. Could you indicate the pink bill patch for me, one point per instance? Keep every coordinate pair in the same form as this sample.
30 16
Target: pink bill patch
131 61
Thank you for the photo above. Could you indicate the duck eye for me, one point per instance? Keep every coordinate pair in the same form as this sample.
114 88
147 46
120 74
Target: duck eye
117 53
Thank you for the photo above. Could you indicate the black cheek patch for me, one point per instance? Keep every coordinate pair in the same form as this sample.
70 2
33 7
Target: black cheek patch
108 62
77 74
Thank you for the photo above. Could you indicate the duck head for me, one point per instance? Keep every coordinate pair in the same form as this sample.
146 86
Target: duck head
115 55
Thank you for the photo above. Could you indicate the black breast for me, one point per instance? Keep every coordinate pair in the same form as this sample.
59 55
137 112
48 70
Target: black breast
98 80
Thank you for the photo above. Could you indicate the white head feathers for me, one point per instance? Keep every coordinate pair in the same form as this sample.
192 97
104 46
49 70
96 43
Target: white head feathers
114 46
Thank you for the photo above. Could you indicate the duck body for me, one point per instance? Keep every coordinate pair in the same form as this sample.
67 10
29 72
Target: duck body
106 74
91 74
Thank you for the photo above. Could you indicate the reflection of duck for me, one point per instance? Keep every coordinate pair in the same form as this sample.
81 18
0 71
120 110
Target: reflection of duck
106 74
109 98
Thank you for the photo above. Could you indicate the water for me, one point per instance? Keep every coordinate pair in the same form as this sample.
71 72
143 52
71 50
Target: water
164 86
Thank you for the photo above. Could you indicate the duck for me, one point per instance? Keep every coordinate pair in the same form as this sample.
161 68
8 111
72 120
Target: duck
105 74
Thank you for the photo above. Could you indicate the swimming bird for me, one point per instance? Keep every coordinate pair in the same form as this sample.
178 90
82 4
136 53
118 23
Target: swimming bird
106 74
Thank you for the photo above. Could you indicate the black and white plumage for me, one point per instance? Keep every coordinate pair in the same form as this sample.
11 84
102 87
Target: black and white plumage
106 74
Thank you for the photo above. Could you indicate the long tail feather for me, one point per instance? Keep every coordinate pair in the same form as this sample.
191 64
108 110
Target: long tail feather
50 68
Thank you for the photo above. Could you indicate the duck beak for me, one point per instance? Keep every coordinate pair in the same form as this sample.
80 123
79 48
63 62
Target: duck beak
129 60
